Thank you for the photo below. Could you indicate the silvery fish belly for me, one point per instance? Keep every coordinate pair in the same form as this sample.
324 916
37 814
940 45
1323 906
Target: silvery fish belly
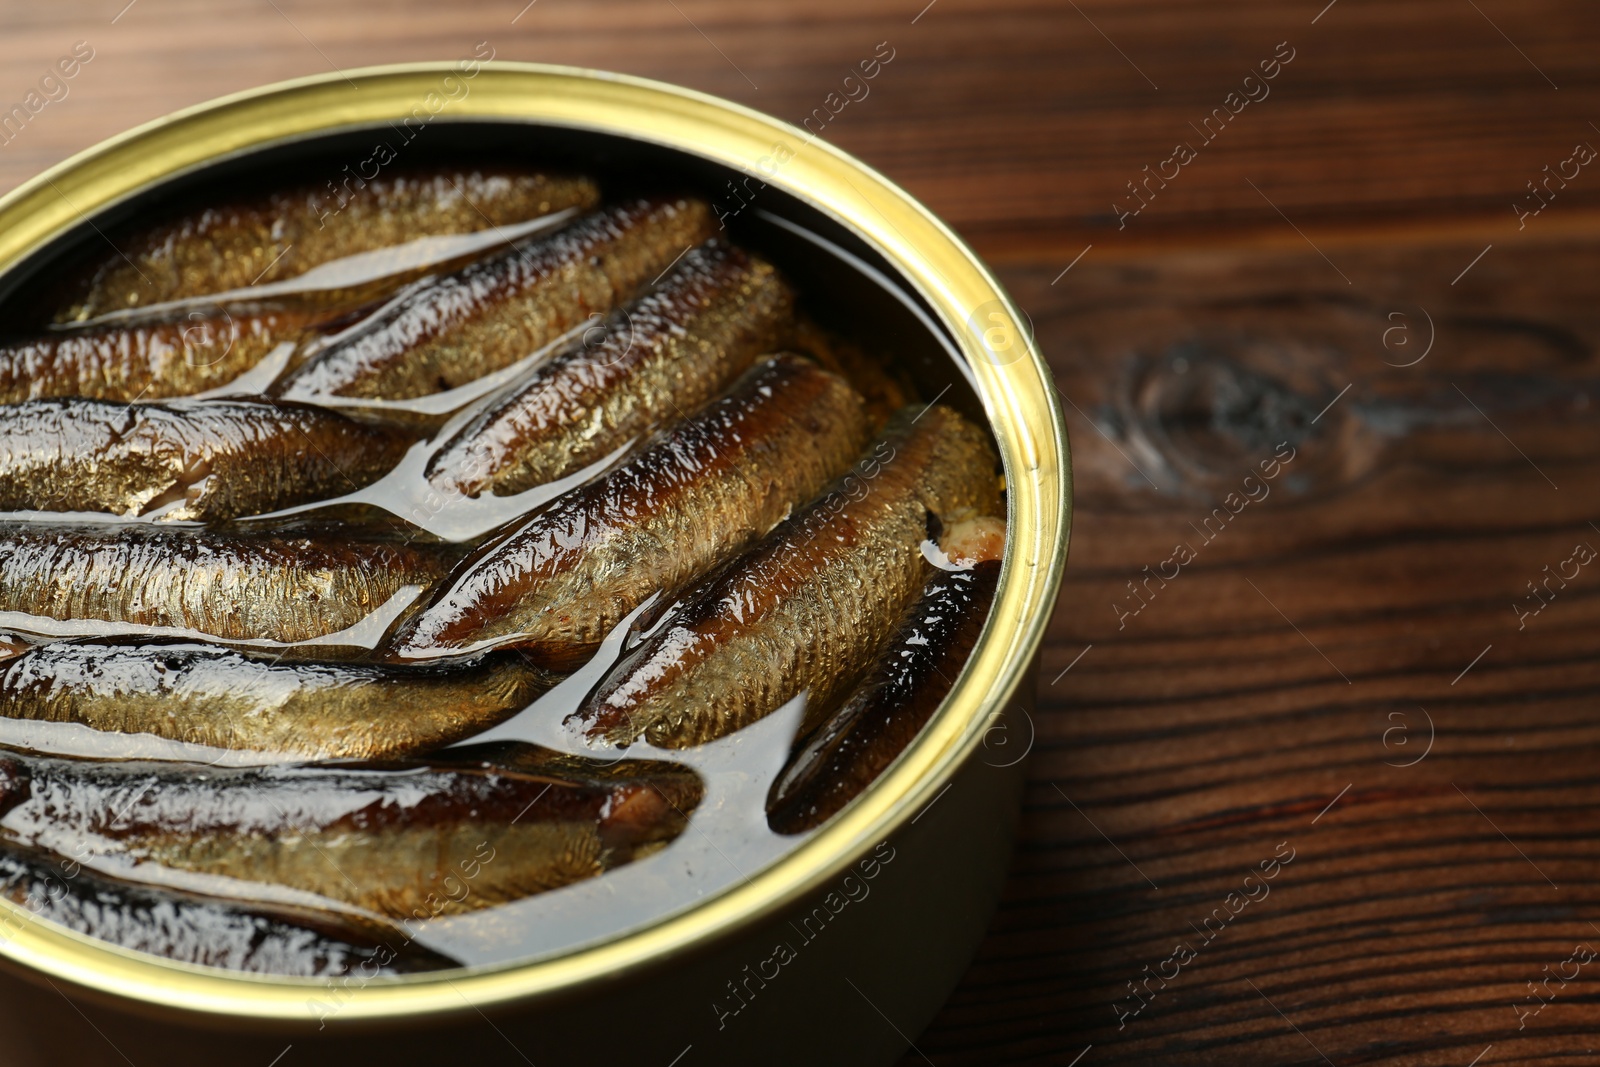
389 840
216 459
287 582
176 354
282 235
203 694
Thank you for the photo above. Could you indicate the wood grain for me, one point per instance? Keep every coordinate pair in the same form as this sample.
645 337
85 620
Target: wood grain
1017 121
1276 689
1268 697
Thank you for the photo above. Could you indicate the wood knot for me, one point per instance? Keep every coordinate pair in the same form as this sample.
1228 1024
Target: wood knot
1207 410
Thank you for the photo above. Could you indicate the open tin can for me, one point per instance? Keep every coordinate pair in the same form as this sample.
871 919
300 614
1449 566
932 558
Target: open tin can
882 908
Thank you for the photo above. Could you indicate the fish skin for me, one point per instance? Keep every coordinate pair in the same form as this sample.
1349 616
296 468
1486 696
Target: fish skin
287 582
283 234
887 387
398 840
205 694
222 458
807 607
667 353
913 672
706 490
153 358
496 311
189 928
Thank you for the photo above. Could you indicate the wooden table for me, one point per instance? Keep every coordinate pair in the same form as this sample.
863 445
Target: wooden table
1369 678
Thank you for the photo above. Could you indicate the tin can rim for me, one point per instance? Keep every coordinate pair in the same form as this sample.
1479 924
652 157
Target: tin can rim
1010 376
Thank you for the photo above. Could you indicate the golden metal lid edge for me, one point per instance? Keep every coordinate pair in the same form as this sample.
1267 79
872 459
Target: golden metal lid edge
1016 392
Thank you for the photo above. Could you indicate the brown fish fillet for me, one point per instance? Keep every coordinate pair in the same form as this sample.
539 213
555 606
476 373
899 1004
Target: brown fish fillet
152 359
221 458
497 311
398 840
885 386
204 694
189 928
663 355
706 490
806 609
292 583
913 672
284 234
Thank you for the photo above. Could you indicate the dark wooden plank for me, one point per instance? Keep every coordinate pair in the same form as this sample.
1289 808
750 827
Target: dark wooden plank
1018 121
1316 641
